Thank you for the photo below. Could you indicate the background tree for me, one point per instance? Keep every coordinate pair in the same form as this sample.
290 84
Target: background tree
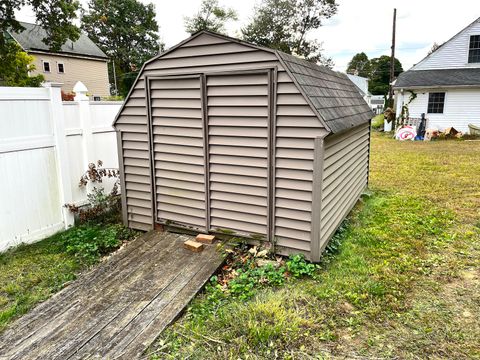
285 25
126 30
434 48
211 16
380 74
359 65
55 16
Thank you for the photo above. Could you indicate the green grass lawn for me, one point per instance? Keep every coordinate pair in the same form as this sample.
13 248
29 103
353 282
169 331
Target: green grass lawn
404 282
31 273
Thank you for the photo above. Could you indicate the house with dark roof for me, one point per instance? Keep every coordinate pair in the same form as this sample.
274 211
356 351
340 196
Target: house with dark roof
79 60
222 136
445 85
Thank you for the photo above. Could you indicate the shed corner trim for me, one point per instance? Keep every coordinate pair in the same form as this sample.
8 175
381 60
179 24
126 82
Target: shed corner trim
315 246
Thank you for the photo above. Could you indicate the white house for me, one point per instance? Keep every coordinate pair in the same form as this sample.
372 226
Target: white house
445 85
362 85
377 103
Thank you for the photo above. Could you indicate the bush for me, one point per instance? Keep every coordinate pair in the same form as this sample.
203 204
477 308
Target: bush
17 67
68 96
378 122
90 242
243 274
113 98
297 266
101 207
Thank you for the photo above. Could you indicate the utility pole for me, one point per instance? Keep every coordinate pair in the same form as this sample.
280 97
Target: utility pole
115 77
392 67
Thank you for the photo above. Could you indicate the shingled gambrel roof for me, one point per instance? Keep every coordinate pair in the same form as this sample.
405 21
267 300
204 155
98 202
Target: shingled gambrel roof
334 96
438 78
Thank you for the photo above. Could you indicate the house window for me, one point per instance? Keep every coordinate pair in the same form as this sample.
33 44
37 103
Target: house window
436 102
474 49
61 68
46 66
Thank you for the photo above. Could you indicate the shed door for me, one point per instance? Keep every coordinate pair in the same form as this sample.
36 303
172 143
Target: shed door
238 138
178 150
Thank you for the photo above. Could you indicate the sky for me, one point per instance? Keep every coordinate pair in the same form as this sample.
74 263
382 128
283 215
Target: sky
358 25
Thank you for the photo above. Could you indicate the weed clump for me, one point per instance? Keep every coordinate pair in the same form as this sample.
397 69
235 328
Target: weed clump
89 242
246 271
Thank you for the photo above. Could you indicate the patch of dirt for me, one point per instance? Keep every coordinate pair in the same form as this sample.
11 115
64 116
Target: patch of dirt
463 296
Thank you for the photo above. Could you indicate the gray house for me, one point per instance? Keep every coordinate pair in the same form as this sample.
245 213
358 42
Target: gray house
218 135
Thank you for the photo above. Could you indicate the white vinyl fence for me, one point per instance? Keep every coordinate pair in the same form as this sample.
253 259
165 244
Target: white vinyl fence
45 147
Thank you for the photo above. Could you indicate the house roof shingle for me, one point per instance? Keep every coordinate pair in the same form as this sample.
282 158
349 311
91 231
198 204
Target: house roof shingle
438 78
30 39
335 97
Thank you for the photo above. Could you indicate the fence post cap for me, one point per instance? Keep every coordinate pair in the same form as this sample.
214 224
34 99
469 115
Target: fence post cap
80 87
80 91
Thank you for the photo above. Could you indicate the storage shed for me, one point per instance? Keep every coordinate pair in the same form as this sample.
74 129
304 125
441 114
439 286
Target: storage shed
222 136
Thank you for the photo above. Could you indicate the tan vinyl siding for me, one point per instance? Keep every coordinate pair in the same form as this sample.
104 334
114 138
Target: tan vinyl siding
216 156
178 150
133 118
137 180
297 126
345 176
92 72
238 109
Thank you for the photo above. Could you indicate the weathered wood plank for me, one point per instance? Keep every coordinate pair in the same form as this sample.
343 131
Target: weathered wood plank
116 335
117 308
87 295
129 334
120 303
100 274
144 339
94 299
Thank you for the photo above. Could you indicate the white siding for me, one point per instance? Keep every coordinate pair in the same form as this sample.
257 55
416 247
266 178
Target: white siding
453 54
462 107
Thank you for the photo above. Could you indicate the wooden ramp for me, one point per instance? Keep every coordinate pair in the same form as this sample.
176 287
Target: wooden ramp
119 308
